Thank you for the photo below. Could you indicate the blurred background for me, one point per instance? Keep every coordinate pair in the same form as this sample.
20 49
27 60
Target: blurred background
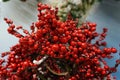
105 14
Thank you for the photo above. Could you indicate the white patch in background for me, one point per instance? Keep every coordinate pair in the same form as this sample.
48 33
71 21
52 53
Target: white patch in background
77 2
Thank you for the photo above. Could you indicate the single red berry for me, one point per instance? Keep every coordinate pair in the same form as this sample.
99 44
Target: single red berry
55 47
113 50
38 24
36 46
55 38
83 45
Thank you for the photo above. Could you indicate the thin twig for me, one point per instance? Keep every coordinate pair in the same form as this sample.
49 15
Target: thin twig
55 73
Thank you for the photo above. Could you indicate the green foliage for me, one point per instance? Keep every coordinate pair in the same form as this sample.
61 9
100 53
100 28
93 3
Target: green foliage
77 11
5 0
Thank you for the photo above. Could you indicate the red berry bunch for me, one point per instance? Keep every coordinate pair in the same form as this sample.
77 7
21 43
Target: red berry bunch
56 50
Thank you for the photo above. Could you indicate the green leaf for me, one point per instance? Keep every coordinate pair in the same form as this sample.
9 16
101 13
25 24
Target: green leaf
5 0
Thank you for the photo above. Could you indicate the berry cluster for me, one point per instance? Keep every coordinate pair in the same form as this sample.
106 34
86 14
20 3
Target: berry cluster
73 53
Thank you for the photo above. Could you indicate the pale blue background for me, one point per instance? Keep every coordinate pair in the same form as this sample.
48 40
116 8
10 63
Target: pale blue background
105 14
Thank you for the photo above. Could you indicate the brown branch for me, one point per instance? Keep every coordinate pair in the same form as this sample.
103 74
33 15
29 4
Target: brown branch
55 73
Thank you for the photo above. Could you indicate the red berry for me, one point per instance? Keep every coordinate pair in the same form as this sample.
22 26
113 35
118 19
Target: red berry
113 50
38 24
55 47
55 38
36 46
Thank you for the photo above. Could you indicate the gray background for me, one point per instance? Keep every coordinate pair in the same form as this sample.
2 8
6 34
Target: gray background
105 14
